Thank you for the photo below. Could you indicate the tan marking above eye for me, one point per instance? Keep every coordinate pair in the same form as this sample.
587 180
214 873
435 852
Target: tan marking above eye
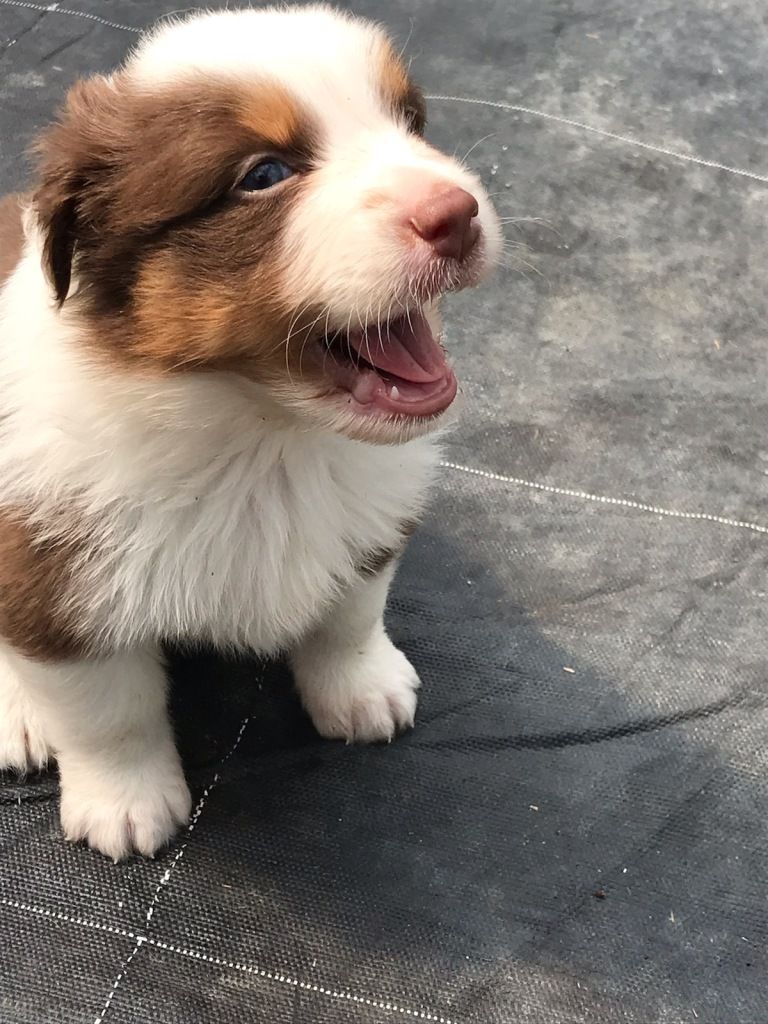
397 89
273 114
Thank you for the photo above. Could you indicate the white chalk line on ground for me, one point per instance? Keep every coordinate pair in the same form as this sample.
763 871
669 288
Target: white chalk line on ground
605 133
281 977
604 499
57 9
167 875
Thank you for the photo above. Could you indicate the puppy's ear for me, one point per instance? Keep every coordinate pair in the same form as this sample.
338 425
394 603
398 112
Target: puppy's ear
70 155
57 211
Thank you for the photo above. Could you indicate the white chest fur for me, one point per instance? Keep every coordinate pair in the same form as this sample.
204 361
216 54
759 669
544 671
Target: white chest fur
250 546
211 518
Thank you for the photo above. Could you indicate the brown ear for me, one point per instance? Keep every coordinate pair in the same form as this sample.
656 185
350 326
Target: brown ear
69 157
57 212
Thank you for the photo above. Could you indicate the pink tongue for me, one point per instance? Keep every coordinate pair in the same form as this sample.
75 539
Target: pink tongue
405 348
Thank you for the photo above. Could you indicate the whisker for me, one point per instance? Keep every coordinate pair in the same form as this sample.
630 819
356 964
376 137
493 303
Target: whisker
476 144
408 315
525 220
307 336
389 315
366 333
404 47
378 325
516 268
284 341
349 322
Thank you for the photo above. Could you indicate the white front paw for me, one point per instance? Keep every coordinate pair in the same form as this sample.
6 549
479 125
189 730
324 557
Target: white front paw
136 808
23 746
359 695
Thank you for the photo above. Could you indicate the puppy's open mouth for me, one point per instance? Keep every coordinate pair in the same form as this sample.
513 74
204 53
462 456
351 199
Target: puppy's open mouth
397 367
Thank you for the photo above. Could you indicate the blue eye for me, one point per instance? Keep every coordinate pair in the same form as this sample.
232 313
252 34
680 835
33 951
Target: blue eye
266 174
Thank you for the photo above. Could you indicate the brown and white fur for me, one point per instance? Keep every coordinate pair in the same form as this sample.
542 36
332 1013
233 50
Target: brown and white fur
195 441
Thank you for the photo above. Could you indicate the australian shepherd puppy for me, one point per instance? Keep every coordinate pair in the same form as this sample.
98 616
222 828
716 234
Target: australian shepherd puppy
220 381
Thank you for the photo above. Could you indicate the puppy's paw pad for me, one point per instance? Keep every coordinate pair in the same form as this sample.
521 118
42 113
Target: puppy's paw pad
364 699
139 814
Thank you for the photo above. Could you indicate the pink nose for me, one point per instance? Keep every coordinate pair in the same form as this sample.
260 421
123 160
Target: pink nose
446 219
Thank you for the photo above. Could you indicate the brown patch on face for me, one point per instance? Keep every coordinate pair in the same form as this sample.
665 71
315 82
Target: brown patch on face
33 578
175 267
400 94
207 299
11 235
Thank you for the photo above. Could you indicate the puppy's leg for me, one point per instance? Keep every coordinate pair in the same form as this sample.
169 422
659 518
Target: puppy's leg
23 746
353 681
122 787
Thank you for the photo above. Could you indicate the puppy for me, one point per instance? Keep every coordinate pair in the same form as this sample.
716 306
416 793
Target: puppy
220 382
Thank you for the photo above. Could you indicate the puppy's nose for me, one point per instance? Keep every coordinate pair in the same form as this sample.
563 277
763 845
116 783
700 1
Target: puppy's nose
445 219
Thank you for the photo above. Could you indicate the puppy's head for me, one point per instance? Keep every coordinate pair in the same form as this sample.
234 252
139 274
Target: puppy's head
252 192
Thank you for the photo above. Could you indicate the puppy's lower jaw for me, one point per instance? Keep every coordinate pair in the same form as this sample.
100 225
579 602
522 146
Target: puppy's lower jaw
363 694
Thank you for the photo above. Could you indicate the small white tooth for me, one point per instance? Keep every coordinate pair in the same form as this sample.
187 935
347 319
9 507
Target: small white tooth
394 392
